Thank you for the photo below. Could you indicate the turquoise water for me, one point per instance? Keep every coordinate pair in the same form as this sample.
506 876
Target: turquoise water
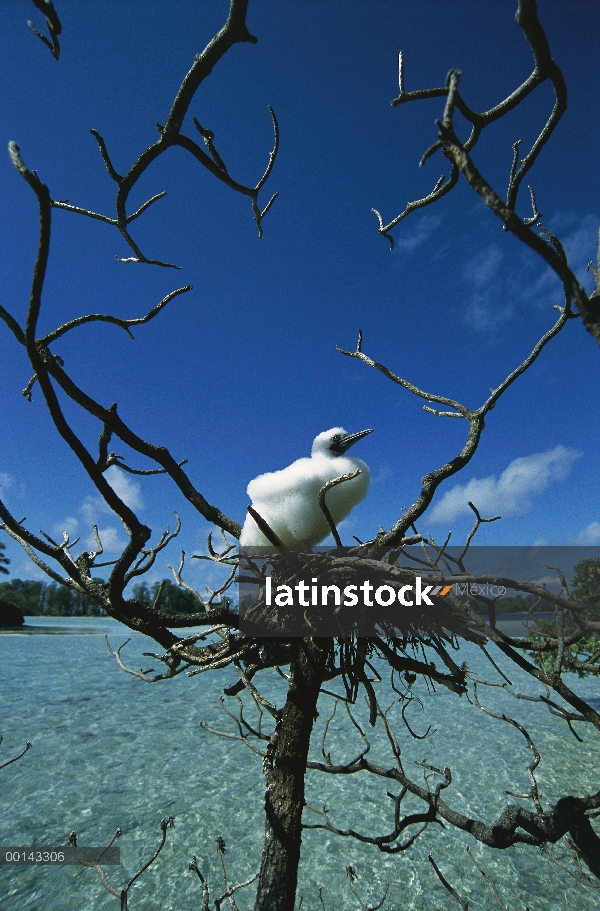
110 750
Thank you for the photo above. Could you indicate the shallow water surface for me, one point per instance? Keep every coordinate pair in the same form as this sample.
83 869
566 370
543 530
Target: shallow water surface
110 750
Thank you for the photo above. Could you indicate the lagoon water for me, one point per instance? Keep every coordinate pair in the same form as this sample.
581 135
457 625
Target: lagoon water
110 750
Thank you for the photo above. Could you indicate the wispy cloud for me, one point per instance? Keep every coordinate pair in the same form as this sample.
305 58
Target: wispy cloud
579 237
489 301
93 511
69 524
484 267
127 489
581 243
27 569
6 482
112 543
511 493
588 535
416 233
383 474
484 310
496 285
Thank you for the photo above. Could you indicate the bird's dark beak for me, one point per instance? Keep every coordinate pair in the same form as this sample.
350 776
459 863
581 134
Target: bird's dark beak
349 440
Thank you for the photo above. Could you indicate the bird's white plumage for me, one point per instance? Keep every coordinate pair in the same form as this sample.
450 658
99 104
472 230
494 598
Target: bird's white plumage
288 500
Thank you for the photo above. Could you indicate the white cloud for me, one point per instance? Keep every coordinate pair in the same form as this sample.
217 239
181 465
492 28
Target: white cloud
483 267
489 300
588 535
498 286
27 569
91 510
6 482
111 542
581 245
69 524
484 311
423 228
128 490
509 494
551 581
383 474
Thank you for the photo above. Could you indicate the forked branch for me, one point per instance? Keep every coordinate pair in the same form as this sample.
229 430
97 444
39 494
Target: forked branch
476 419
52 24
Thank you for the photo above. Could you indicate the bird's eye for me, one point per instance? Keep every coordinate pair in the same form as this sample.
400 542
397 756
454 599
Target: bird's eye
336 438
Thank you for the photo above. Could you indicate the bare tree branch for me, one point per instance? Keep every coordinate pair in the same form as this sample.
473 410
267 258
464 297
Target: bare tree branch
122 893
462 902
52 24
475 418
27 746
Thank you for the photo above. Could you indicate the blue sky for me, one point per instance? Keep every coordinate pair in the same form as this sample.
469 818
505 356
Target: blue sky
241 373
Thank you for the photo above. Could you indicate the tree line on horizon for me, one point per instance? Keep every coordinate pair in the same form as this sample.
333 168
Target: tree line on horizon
36 598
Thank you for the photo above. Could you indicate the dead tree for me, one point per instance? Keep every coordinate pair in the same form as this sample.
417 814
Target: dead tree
410 646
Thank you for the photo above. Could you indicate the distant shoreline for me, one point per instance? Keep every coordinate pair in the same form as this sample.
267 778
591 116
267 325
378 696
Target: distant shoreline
509 624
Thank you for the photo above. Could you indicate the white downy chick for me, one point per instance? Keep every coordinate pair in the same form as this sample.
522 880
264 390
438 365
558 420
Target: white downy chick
288 500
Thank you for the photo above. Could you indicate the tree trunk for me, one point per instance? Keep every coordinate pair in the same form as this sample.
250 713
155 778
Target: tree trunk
285 767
